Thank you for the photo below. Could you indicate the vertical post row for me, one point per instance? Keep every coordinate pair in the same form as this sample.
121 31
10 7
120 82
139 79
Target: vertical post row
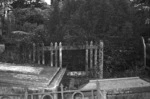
34 51
86 58
101 59
91 54
43 56
38 53
51 54
56 52
60 54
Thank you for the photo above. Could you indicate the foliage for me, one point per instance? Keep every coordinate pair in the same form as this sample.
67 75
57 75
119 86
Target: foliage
90 20
27 3
31 15
31 20
142 16
26 19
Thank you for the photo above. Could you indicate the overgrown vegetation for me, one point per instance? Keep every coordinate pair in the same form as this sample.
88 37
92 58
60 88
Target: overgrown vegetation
118 23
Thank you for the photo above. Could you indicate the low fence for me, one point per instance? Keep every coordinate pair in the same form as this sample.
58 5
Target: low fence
62 94
93 55
138 93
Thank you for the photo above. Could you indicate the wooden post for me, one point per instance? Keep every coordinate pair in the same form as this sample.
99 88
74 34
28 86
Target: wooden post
104 94
95 57
26 94
98 90
101 59
95 62
55 94
101 94
86 58
30 54
34 51
31 96
23 55
92 93
144 47
51 55
62 92
91 55
43 56
60 54
38 53
20 97
56 52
